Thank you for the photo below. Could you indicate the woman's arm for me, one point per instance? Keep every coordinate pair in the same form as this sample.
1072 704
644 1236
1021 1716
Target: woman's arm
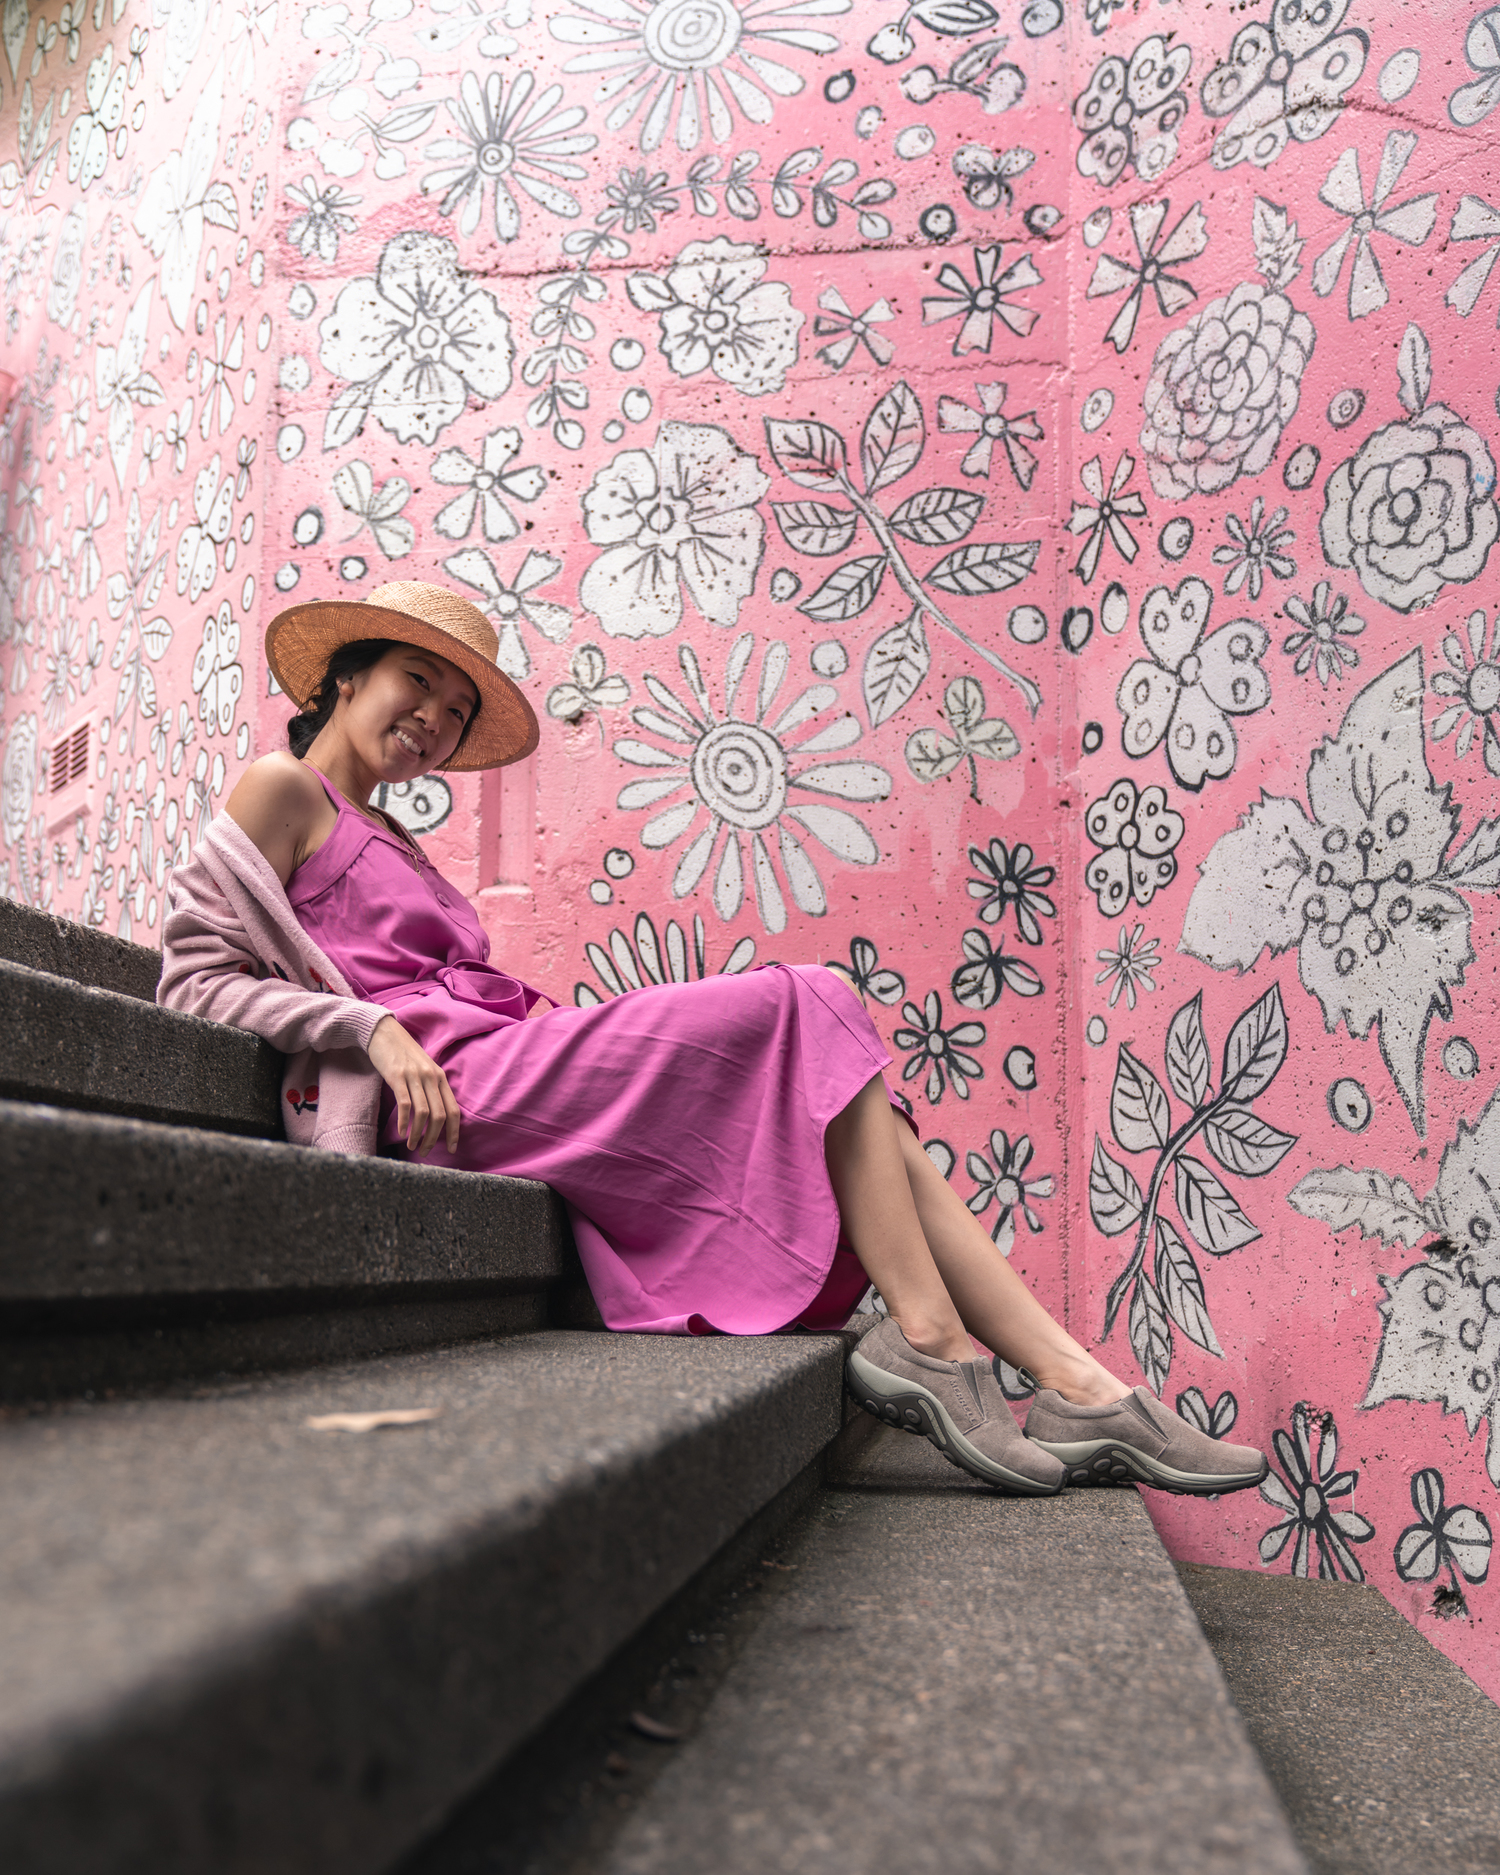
283 808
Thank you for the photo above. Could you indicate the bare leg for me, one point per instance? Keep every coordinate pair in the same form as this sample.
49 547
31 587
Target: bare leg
933 1262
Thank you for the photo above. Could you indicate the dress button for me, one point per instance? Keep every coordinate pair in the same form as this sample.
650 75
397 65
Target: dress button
444 900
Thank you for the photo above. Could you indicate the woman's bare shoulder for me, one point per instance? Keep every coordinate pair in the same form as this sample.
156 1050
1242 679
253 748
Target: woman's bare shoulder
278 804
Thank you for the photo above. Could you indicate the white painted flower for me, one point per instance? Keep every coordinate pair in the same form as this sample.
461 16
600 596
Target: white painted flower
415 343
743 769
218 676
171 215
122 381
484 484
685 65
18 777
682 515
719 314
179 28
504 140
97 122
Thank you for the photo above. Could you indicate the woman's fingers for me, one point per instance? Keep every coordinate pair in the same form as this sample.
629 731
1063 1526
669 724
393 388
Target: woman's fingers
425 1108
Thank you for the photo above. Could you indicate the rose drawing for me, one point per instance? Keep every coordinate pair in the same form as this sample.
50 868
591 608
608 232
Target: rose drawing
683 514
414 344
1222 389
18 777
1414 510
719 313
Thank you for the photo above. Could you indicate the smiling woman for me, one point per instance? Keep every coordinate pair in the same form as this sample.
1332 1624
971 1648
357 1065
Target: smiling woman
727 1148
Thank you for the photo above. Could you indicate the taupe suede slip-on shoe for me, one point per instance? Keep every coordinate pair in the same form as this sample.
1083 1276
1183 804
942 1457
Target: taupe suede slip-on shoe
956 1404
1139 1438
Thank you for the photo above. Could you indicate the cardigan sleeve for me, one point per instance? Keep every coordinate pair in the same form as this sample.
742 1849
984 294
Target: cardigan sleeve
211 967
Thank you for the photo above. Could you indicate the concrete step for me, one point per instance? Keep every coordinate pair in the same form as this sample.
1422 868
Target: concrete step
103 1051
238 1644
135 1254
1386 1754
66 949
937 1679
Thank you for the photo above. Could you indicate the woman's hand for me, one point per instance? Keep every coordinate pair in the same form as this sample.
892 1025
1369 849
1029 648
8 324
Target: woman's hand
425 1108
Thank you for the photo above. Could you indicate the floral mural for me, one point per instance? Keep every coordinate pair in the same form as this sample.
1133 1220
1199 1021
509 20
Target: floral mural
1000 496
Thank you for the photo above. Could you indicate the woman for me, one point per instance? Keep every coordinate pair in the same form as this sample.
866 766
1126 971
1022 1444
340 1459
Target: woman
727 1149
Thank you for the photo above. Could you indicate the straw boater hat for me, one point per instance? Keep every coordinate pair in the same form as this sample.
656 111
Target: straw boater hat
299 643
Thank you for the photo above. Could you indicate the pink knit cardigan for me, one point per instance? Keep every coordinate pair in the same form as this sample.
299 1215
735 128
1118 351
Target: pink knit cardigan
233 951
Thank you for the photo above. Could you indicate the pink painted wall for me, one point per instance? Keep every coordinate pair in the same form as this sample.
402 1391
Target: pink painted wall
1000 496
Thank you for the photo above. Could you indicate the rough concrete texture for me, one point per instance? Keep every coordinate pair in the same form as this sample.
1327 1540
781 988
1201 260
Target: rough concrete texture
105 1208
73 950
953 1681
110 1053
237 1644
1386 1755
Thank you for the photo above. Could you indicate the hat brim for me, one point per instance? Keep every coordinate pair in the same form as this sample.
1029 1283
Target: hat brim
300 641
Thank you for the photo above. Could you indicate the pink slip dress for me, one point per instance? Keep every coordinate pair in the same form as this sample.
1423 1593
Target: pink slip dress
682 1124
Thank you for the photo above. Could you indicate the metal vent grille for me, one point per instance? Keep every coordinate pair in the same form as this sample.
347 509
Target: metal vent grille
70 759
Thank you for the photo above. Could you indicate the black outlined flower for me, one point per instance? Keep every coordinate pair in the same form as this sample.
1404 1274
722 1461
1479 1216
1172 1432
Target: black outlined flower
637 199
593 688
719 313
484 483
1104 515
1129 113
683 66
1137 831
505 141
747 766
1414 510
1473 102
983 300
1305 1500
1129 965
414 343
1255 547
848 330
989 425
1457 1539
646 957
1222 389
1284 77
1473 685
322 218
1001 1180
1011 880
869 978
1155 252
987 972
1410 221
938 1052
1322 625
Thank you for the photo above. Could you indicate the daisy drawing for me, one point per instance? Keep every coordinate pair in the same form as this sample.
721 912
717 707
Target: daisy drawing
746 787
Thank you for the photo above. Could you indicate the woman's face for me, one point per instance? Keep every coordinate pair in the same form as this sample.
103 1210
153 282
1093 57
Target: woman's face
405 713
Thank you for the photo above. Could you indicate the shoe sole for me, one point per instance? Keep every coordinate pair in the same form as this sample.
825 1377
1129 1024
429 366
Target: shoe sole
1107 1461
909 1407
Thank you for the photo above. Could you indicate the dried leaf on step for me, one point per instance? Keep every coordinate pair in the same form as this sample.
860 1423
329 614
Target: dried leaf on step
648 1727
372 1422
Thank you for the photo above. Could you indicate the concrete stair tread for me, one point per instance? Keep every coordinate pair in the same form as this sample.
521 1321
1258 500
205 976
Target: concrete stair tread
99 1207
952 1681
68 949
78 1045
212 1609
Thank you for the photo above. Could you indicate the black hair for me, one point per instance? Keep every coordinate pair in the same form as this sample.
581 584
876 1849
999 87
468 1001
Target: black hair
347 661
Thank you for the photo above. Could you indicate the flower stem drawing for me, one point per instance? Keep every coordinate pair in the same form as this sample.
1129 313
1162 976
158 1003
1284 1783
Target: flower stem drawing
1171 1290
894 437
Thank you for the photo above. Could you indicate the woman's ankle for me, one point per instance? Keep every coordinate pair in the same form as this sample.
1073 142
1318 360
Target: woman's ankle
938 1341
1082 1381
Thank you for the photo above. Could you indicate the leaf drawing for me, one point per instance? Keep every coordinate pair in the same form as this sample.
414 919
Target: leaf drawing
895 434
1239 1139
1381 1207
847 591
897 662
